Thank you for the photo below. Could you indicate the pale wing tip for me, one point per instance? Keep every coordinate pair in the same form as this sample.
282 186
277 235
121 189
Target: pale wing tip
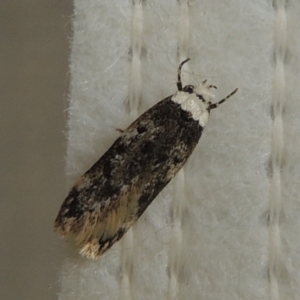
65 230
59 230
91 250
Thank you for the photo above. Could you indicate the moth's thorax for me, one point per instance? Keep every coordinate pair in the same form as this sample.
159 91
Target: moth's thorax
197 106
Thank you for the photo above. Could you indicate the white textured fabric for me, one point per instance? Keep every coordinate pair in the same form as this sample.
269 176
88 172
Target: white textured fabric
227 227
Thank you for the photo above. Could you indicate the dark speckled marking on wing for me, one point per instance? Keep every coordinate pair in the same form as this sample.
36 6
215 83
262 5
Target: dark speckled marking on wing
117 189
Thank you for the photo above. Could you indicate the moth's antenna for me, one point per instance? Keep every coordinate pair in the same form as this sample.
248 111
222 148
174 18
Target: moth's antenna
212 87
215 105
179 83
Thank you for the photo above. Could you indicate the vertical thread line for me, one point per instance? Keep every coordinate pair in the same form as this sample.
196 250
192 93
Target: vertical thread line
179 197
277 145
135 87
135 83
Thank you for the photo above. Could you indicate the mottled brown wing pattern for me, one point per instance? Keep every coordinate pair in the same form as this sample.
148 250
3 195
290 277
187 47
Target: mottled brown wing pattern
96 229
116 190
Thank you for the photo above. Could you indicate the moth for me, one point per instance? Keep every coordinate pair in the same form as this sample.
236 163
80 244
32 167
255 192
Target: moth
110 197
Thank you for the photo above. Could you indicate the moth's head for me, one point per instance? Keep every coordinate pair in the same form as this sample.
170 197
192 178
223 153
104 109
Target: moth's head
195 100
203 93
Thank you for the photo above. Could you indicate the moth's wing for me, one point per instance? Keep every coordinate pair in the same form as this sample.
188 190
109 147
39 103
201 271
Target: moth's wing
96 225
117 189
103 204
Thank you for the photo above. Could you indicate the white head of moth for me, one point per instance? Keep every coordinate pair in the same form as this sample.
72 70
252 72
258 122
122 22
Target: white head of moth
188 97
110 197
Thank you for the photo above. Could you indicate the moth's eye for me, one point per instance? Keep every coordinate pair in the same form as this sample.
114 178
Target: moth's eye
189 89
209 103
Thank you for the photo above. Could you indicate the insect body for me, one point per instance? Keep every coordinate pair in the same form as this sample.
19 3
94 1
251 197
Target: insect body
110 197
